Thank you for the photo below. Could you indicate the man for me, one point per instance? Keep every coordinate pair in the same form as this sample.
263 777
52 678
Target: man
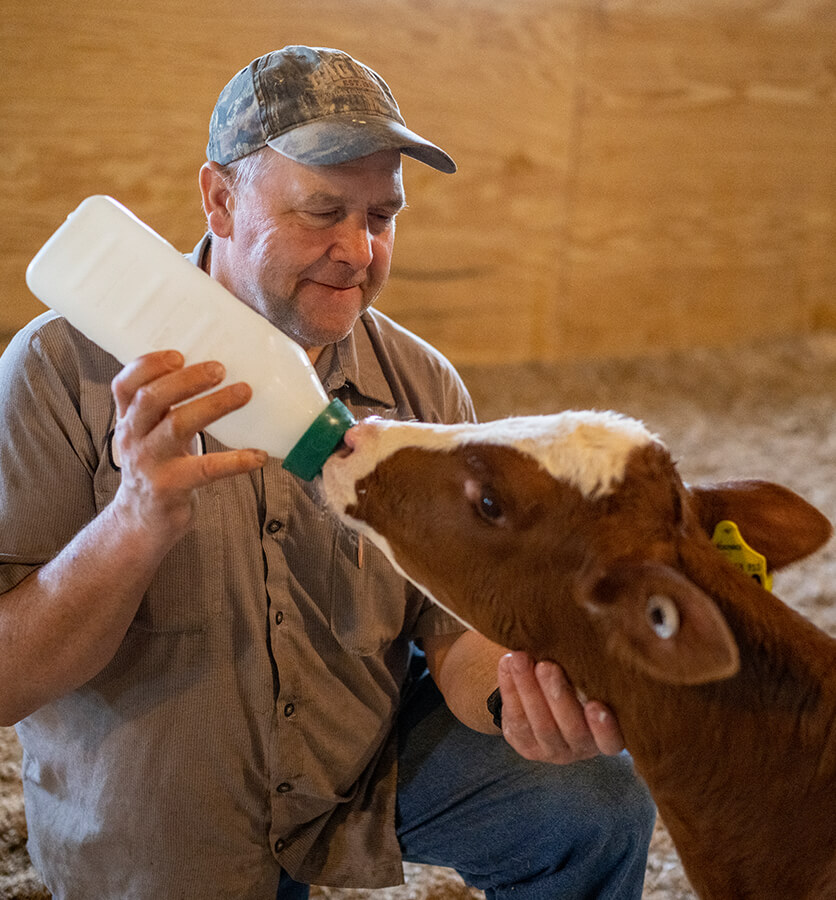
207 672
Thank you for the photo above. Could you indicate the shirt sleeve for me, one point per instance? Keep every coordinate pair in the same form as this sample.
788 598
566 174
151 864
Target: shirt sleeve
435 620
47 453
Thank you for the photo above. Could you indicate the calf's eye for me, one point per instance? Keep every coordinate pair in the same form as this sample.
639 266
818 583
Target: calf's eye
488 506
484 500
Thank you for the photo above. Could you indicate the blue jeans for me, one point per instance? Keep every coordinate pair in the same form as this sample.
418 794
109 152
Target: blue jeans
513 828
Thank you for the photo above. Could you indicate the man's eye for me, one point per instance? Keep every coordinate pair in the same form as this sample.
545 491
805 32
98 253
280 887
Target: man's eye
380 222
322 216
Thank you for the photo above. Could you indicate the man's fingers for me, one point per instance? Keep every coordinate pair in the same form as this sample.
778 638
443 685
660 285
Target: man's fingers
193 472
543 719
515 725
141 371
186 420
152 401
155 391
604 727
565 709
528 723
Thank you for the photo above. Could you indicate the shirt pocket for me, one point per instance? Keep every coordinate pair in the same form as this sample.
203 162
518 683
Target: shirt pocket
368 597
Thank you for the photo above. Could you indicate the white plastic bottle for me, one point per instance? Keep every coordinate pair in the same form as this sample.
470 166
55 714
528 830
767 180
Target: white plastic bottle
128 290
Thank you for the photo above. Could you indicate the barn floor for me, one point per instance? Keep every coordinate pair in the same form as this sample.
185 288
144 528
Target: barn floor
766 410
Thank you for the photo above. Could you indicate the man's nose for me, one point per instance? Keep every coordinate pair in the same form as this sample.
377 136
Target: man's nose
354 243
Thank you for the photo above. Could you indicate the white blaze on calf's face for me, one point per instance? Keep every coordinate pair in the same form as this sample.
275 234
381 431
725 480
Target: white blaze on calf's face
588 450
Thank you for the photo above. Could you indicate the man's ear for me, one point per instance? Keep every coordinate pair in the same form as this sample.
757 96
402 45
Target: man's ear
773 520
217 199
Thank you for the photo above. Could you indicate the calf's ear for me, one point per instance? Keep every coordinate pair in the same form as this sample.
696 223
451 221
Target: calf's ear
773 520
661 623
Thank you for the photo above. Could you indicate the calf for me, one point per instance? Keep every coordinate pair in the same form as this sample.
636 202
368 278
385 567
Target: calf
572 537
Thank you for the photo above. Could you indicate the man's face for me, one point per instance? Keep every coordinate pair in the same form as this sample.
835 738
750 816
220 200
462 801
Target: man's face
310 246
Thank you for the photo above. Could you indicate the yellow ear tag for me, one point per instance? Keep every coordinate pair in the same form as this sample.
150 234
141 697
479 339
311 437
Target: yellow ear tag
728 540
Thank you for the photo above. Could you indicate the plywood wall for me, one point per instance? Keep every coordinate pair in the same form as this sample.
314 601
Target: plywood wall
635 175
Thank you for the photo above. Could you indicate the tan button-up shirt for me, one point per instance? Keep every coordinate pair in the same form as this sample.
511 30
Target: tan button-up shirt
244 725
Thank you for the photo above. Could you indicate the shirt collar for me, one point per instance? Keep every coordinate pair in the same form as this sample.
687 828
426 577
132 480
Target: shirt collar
353 360
198 255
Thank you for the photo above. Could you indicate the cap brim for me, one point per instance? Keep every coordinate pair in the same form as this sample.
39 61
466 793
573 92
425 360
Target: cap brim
339 139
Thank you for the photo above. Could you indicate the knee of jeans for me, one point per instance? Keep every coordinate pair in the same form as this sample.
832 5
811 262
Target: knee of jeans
622 807
587 825
610 802
639 810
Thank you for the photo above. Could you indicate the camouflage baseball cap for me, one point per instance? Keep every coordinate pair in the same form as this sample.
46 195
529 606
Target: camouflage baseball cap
315 105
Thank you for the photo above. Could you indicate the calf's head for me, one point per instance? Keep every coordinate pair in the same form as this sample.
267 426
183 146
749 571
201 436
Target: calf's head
559 535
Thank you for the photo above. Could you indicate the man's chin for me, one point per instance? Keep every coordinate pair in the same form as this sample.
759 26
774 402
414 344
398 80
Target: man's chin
317 330
316 318
310 336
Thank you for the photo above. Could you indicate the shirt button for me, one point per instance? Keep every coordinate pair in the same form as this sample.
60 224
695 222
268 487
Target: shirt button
284 788
279 617
289 709
279 845
273 526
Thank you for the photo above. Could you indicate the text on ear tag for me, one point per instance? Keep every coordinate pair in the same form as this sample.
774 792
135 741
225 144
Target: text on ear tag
729 541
